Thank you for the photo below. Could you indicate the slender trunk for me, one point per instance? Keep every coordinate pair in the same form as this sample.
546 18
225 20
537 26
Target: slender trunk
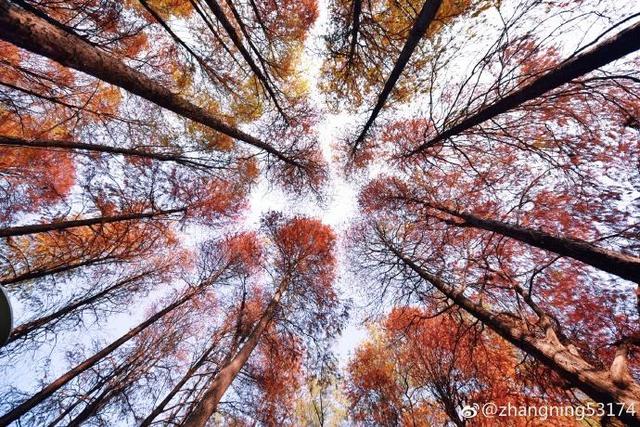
97 148
91 409
63 225
355 28
32 33
77 402
187 376
54 386
209 402
29 327
43 272
420 27
596 383
235 38
614 48
619 264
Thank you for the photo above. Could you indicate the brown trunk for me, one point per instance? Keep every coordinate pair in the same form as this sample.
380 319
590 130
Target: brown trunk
54 386
596 383
27 328
622 265
63 225
420 27
355 28
40 273
32 33
235 38
608 51
221 382
187 376
208 70
97 148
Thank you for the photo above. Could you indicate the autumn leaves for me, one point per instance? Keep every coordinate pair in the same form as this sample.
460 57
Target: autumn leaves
501 233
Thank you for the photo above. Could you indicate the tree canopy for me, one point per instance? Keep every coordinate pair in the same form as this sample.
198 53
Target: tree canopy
320 212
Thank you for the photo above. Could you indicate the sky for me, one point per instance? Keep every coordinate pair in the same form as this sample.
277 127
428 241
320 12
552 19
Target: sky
339 209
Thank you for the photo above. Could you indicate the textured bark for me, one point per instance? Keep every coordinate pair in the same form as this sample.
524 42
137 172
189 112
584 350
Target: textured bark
614 48
235 38
77 305
619 264
420 27
187 376
32 33
64 225
355 28
221 382
596 383
58 383
43 272
179 41
51 144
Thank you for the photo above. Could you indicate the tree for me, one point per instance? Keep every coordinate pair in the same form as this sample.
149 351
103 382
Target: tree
110 69
303 266
420 367
540 342
219 267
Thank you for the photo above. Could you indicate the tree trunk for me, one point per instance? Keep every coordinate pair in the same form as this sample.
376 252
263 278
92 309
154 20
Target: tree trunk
355 28
619 264
54 386
209 402
187 376
235 38
616 47
32 33
40 273
63 225
597 384
97 148
420 27
27 328
208 70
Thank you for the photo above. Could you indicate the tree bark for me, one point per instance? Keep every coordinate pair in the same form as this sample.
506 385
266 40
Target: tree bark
40 273
619 264
235 38
63 225
597 384
355 28
32 33
97 148
209 402
420 27
54 386
614 48
187 376
29 327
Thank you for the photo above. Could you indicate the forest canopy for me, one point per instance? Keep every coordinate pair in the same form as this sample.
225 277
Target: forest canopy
320 212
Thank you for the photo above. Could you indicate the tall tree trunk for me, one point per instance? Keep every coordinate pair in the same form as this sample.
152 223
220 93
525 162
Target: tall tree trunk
55 385
596 383
43 272
218 12
355 28
186 377
614 48
208 70
32 33
221 382
619 264
420 27
27 328
63 225
51 144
